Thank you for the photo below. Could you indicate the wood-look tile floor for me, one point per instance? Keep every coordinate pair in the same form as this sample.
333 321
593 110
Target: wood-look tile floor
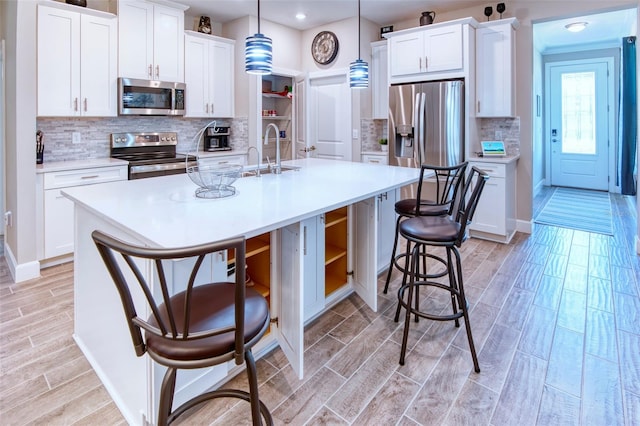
555 317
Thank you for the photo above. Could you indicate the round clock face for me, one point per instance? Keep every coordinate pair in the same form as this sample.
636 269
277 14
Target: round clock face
324 48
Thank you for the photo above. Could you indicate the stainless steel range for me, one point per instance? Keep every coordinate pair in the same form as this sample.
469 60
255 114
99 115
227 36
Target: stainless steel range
150 154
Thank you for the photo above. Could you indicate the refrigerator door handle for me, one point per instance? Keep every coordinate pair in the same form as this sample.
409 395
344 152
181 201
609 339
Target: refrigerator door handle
416 124
421 129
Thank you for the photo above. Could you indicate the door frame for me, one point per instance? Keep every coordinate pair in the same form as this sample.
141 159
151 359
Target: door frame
613 143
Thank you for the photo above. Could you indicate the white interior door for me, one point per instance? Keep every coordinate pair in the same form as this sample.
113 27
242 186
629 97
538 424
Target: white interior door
330 116
302 148
579 123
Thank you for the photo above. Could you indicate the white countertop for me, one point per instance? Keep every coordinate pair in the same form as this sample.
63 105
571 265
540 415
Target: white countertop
164 211
57 166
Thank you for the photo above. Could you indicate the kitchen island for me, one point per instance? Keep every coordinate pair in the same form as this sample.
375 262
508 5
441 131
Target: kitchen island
290 209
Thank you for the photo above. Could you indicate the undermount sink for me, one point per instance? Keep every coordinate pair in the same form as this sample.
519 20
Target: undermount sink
267 170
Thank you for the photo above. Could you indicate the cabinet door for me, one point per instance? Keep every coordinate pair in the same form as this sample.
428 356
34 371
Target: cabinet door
196 76
386 227
168 44
221 79
289 297
58 224
364 256
494 68
98 84
58 62
135 39
406 54
313 243
443 48
379 82
490 215
301 111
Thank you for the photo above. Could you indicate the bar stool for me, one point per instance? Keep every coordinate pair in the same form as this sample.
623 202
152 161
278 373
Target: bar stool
450 233
447 182
201 326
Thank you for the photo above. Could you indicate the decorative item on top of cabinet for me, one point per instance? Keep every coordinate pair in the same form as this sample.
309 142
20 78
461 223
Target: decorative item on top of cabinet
431 52
379 81
495 68
209 75
77 62
151 40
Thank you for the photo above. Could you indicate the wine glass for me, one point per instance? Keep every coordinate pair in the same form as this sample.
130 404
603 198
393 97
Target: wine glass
488 11
500 8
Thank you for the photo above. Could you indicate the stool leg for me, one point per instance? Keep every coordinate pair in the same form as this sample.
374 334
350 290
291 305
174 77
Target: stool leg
407 259
254 399
166 396
407 318
393 256
462 301
453 284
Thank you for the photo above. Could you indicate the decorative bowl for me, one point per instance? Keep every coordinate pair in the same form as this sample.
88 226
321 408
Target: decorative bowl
214 180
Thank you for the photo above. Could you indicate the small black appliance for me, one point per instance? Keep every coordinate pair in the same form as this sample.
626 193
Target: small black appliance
216 139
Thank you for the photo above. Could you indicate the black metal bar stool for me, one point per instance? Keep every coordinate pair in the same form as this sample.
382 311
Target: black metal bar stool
201 326
450 233
447 182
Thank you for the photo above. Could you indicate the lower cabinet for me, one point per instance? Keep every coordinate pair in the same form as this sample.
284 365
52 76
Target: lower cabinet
386 227
495 216
55 211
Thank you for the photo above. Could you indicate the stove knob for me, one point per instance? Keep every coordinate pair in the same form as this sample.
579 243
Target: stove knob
173 138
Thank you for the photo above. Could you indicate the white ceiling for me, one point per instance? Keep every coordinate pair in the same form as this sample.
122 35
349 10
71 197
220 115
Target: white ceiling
549 35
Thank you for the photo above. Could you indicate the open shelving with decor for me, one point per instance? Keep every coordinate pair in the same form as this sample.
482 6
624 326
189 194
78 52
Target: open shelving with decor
277 108
336 242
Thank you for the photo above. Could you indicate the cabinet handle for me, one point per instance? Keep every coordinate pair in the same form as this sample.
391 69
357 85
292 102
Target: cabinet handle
211 108
75 104
90 177
304 240
420 63
478 106
206 108
85 104
223 162
158 71
374 161
150 72
426 63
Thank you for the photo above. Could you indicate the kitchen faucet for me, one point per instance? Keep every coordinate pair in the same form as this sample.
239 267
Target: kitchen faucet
258 156
277 169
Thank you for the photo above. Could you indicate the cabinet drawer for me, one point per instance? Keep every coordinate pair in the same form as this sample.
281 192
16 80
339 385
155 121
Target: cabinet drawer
492 169
230 159
375 159
68 178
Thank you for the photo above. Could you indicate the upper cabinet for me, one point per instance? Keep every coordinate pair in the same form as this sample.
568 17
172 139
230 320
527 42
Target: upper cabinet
379 80
151 40
495 68
430 52
77 62
209 64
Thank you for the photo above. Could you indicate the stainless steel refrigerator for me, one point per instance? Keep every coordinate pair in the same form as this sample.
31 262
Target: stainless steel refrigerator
426 123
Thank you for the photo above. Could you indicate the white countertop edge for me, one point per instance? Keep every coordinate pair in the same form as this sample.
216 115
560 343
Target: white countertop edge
57 166
496 160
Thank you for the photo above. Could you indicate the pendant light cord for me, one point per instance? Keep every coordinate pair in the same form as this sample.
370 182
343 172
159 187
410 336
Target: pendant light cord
259 16
359 29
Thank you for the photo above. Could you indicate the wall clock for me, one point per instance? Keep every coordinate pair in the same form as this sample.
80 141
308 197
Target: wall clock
324 47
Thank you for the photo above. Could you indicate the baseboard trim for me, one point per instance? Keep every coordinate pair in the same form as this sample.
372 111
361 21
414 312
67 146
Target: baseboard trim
525 226
23 271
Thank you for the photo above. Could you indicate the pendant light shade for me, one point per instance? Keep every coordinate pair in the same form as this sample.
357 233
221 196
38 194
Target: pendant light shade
258 52
359 69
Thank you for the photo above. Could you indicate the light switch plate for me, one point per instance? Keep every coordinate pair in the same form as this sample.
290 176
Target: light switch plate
76 137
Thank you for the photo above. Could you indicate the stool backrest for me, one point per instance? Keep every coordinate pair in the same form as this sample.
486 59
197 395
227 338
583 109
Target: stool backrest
167 321
447 182
469 200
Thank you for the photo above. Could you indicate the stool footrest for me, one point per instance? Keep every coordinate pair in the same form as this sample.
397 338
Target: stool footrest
435 317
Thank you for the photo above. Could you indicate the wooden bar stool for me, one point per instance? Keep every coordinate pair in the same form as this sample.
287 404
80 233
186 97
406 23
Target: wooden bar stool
447 182
201 326
450 233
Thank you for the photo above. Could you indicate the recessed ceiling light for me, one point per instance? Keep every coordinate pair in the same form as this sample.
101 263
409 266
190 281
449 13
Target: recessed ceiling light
576 27
300 16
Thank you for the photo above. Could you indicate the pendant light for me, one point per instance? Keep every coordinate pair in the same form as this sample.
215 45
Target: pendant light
359 69
258 52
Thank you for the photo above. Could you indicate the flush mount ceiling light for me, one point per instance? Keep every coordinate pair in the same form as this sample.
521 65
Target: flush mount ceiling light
576 27
300 16
359 69
258 52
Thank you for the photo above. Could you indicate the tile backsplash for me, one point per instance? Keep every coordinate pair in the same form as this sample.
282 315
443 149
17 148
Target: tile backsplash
504 129
372 131
95 134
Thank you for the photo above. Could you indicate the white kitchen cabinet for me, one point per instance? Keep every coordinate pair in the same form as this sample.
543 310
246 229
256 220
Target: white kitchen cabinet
77 62
209 75
495 216
382 158
495 68
240 159
427 50
57 211
386 227
379 81
151 40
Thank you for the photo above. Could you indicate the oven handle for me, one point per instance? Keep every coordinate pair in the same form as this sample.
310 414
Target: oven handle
156 167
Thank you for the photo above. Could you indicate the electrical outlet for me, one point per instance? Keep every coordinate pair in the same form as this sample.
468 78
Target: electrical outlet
76 137
498 135
354 133
8 219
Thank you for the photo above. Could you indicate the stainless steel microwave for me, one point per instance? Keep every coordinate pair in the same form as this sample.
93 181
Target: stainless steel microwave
150 97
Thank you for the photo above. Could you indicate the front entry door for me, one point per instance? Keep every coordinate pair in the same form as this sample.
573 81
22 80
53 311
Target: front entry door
579 123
